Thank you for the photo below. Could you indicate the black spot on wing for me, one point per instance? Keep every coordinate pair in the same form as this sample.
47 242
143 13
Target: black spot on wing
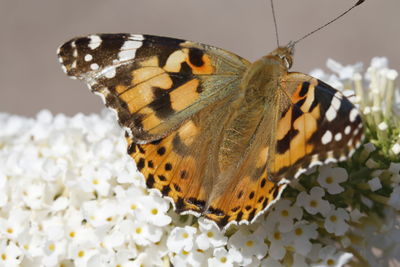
304 89
283 144
197 202
196 57
178 146
150 181
186 69
161 103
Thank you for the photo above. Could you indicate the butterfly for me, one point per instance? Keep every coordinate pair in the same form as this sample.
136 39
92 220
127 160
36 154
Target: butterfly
218 135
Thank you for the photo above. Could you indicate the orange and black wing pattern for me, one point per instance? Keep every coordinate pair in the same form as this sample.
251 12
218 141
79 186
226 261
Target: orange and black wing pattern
321 125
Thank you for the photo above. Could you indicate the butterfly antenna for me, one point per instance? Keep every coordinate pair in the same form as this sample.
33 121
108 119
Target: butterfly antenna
326 24
276 25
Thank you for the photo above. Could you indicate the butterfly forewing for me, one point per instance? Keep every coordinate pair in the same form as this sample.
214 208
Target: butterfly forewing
321 125
154 83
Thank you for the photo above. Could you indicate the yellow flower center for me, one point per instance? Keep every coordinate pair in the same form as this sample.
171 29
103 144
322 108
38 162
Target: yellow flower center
95 181
210 234
277 236
81 253
185 235
313 203
284 213
333 218
52 247
329 180
298 231
223 259
154 211
138 230
330 262
249 243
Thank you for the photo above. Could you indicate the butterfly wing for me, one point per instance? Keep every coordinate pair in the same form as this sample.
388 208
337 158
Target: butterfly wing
154 83
320 126
174 97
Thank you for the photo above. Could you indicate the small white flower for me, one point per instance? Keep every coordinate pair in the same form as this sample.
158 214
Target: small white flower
81 253
3 189
271 262
76 230
330 257
31 243
330 178
394 169
284 214
300 260
278 241
345 72
34 195
15 224
221 258
375 184
181 239
335 221
301 235
154 209
54 251
123 257
10 254
249 244
210 235
113 240
53 228
394 199
129 200
142 233
152 255
95 179
396 149
195 258
313 202
356 215
100 213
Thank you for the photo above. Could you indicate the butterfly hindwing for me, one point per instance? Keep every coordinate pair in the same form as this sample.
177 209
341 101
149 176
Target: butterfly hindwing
154 83
321 125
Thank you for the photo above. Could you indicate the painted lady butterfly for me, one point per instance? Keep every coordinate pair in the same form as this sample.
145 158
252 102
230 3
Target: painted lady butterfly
218 135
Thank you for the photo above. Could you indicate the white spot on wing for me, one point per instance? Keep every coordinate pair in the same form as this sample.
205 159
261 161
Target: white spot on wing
327 137
338 136
94 66
335 103
88 57
137 37
128 50
330 114
347 129
95 41
110 73
353 114
64 68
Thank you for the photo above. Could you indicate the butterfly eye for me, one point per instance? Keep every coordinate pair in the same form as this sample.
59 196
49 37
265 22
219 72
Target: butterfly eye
286 60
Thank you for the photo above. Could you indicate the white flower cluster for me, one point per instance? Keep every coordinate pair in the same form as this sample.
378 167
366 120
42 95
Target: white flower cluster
71 196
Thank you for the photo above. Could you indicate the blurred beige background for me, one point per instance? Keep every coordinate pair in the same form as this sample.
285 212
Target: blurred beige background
30 31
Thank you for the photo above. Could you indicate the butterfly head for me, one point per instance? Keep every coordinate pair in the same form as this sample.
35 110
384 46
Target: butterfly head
284 54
